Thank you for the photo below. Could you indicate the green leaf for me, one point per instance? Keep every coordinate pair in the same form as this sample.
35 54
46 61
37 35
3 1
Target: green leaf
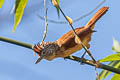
113 57
1 3
116 77
58 9
58 12
19 9
105 73
116 46
57 2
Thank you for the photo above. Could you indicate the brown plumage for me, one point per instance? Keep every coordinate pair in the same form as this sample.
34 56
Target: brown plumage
66 44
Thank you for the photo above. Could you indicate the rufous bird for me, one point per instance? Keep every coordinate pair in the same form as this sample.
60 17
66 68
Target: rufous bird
66 45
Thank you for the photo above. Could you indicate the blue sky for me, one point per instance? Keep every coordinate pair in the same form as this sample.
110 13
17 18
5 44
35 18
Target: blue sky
17 63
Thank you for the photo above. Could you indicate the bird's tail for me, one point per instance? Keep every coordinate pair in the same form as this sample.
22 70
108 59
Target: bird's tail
96 17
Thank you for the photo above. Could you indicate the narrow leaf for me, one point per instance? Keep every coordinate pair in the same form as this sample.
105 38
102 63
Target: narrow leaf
56 4
19 9
116 77
116 46
105 73
1 3
113 57
58 12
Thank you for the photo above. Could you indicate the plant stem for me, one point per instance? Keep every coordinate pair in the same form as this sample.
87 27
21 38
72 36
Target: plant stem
26 45
46 23
90 62
74 58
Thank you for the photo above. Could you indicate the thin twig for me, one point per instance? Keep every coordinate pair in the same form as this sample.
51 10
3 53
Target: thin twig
74 20
46 23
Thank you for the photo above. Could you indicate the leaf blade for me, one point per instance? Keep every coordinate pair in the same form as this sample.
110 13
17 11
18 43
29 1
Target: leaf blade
116 46
19 9
105 73
56 5
58 11
1 3
113 57
116 77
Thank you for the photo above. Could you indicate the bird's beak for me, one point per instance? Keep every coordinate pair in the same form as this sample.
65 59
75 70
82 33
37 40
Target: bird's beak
39 59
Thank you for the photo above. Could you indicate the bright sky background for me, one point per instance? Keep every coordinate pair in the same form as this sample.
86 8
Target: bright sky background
17 63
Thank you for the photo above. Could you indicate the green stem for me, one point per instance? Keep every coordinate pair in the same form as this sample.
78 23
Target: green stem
74 58
16 42
90 62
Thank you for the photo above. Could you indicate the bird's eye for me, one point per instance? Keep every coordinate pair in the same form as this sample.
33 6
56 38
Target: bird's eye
43 53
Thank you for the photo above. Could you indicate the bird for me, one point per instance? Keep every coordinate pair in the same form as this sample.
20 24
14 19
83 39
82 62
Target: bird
66 44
